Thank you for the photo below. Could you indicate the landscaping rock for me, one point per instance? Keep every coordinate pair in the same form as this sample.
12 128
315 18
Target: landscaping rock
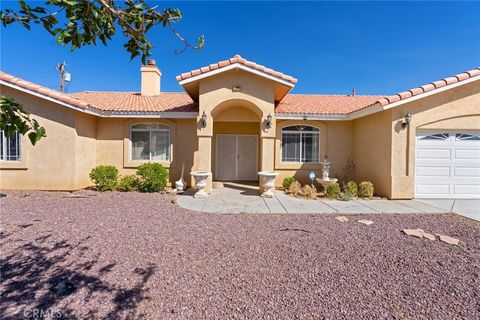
342 219
414 232
366 222
448 239
429 236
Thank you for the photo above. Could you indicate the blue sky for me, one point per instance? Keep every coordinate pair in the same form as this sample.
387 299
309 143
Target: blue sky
331 47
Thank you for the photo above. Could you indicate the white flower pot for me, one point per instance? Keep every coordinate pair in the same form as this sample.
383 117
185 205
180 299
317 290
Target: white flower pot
201 178
267 183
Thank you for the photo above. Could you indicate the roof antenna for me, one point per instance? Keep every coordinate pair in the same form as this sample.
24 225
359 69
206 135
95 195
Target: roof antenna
353 92
64 76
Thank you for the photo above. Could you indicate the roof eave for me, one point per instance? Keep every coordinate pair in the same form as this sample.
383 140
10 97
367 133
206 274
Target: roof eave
378 106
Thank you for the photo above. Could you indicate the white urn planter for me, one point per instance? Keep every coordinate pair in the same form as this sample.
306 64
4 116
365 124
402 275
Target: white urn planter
267 183
201 178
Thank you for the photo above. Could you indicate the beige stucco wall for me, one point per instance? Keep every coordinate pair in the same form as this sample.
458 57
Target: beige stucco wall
371 151
454 109
113 145
335 142
58 161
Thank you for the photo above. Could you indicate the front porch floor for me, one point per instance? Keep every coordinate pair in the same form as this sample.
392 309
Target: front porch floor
242 198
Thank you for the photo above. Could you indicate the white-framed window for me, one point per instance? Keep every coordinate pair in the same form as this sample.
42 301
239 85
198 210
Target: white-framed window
435 136
150 142
467 137
300 144
10 147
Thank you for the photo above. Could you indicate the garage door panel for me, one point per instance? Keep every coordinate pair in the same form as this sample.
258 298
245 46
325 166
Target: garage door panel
447 166
467 172
467 154
466 189
434 189
436 154
423 171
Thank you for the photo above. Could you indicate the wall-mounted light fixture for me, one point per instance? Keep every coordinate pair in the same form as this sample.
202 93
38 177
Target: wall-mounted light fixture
406 122
305 117
268 122
236 89
203 120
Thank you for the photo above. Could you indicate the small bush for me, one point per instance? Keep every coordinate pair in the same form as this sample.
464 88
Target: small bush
351 189
294 188
345 196
104 177
127 183
152 177
309 192
288 181
333 191
365 189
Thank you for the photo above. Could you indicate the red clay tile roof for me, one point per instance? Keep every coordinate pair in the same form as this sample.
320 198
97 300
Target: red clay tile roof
323 104
236 59
43 90
428 87
181 102
134 102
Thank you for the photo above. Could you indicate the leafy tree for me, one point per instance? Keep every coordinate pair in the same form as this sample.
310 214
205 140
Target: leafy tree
78 23
13 118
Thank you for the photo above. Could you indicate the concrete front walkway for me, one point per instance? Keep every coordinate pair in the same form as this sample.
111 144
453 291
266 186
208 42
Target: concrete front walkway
240 198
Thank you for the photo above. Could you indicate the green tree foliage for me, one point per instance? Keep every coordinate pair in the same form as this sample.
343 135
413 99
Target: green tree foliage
78 23
13 118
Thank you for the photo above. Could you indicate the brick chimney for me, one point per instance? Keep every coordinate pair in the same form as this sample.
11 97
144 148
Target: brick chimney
151 77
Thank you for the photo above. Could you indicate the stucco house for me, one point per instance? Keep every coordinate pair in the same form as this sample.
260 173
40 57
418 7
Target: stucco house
237 117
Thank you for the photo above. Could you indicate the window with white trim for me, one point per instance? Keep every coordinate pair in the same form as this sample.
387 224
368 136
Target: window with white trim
10 147
436 136
150 142
467 136
300 144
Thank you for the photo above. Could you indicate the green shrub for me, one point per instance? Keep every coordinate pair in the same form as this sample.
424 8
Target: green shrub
152 177
104 177
351 189
333 191
365 189
288 181
127 183
345 196
309 192
294 188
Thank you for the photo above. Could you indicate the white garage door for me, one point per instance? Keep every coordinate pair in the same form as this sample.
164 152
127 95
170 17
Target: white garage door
447 165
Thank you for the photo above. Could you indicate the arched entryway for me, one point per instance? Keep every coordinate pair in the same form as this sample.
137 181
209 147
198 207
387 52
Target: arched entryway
236 141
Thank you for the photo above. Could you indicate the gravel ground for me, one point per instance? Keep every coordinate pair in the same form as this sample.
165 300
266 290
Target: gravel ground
130 255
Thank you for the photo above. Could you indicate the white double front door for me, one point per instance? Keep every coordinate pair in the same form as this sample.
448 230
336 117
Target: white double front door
236 157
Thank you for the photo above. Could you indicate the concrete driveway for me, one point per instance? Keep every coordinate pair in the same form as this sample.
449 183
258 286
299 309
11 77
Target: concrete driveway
469 208
240 198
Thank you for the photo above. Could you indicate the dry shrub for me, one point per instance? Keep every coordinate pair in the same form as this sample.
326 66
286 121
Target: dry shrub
309 192
294 188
